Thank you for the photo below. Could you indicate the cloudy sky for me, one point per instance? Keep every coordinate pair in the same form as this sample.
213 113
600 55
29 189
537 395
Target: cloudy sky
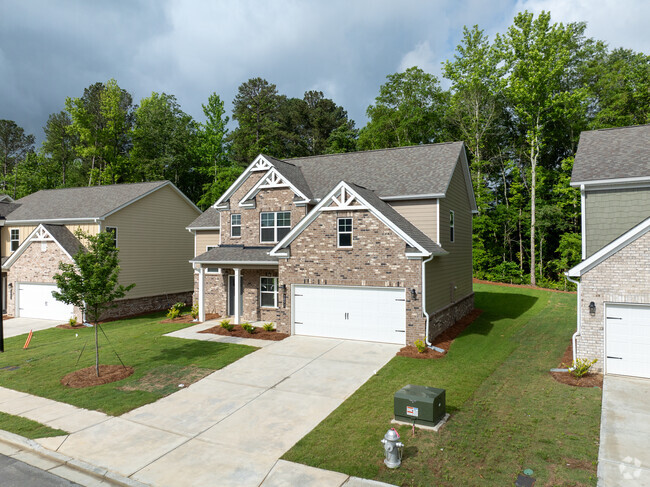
53 49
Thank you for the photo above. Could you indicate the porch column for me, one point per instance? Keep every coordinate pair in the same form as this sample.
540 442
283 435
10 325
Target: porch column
201 293
237 293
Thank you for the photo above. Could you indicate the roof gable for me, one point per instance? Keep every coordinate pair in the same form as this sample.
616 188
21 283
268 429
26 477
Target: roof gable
610 156
58 234
610 249
349 197
273 179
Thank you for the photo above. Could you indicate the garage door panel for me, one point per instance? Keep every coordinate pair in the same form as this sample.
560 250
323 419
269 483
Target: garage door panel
356 313
36 301
627 344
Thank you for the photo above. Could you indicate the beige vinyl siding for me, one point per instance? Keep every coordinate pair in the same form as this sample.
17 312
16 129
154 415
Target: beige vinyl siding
611 213
454 269
421 213
203 238
155 246
26 231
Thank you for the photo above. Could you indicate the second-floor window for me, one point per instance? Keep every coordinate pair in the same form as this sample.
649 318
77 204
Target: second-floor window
274 226
15 239
235 225
344 233
451 226
113 230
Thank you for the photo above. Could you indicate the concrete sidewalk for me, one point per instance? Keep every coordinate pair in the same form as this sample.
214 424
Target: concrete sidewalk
20 326
229 428
624 455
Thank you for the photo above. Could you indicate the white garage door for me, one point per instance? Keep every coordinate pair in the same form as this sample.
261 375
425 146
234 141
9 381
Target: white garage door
627 347
375 314
36 301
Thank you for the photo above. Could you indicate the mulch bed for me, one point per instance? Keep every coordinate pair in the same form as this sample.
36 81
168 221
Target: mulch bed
523 286
67 326
88 377
189 319
444 340
587 380
6 317
238 331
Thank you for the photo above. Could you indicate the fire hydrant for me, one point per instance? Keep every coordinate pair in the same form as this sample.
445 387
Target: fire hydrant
392 449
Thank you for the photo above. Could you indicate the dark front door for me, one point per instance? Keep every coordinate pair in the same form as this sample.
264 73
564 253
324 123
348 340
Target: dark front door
231 295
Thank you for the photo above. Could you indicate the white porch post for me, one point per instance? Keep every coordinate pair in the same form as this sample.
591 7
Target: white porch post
201 293
237 293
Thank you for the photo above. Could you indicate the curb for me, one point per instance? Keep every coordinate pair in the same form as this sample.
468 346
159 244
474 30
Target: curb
99 473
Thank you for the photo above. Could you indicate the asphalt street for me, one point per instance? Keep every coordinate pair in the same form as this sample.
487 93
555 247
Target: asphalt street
14 473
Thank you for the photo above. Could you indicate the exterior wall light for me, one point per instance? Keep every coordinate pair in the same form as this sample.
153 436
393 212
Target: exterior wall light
414 294
592 308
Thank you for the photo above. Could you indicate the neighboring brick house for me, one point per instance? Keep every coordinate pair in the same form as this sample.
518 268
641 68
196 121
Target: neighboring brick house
612 170
148 220
372 245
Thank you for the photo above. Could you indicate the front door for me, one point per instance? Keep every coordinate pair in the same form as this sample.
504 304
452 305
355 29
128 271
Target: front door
231 295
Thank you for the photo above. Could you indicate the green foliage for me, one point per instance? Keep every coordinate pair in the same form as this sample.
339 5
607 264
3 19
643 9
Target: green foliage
581 366
226 325
15 145
506 272
72 321
421 346
248 327
175 310
194 312
268 326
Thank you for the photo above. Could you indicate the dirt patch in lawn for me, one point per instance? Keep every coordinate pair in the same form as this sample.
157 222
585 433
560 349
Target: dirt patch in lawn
189 319
167 379
68 326
587 380
88 377
523 286
444 340
238 331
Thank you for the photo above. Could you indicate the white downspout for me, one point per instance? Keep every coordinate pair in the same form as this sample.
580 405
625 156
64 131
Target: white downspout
424 302
577 333
201 293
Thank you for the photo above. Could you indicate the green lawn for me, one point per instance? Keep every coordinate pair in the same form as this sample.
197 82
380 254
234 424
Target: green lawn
26 427
508 414
160 363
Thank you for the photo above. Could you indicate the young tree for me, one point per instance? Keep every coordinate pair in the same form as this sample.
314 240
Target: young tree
91 282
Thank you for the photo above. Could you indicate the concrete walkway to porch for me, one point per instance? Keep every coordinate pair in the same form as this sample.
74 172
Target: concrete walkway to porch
231 427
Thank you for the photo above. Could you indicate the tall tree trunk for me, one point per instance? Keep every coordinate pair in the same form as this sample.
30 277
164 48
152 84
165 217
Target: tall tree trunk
521 244
534 152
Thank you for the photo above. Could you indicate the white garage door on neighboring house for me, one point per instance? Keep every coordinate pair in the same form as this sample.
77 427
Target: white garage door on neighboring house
627 345
36 301
376 314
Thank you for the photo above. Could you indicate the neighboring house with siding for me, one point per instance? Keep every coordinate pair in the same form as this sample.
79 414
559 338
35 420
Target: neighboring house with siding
373 245
147 219
612 170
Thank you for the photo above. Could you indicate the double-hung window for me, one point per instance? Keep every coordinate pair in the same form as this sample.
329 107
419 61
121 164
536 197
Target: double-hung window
235 225
451 226
269 292
15 239
344 233
274 226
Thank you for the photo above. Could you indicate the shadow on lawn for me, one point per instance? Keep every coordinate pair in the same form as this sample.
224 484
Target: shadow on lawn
501 305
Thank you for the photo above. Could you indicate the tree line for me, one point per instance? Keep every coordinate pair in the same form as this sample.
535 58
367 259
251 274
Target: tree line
518 101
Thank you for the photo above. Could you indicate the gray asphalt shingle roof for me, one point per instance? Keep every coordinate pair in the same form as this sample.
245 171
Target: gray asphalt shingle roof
227 254
293 173
65 237
208 219
84 202
617 153
415 170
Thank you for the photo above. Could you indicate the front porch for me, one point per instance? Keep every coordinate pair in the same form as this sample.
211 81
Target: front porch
224 273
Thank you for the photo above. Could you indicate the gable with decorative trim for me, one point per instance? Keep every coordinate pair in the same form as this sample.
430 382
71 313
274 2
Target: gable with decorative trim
39 235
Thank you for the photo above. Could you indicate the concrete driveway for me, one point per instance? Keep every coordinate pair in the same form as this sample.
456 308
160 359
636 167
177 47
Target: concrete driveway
231 427
624 455
19 326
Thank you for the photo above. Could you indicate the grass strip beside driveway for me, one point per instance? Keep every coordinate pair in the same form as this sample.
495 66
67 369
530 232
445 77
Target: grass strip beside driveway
26 427
508 414
161 363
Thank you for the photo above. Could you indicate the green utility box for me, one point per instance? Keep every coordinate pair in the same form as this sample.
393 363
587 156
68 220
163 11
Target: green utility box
424 405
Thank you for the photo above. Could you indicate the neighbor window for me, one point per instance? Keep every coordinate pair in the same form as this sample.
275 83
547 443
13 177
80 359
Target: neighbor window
345 232
15 239
274 226
269 292
213 270
235 225
210 247
451 226
113 230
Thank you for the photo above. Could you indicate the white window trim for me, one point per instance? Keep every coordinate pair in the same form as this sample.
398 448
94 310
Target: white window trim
338 233
12 240
207 269
108 229
452 226
275 225
275 293
231 225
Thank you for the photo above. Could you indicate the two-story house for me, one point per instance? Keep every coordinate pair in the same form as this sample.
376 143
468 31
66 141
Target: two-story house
612 170
148 223
372 245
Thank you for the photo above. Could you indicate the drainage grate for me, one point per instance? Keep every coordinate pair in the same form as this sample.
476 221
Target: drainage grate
524 481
